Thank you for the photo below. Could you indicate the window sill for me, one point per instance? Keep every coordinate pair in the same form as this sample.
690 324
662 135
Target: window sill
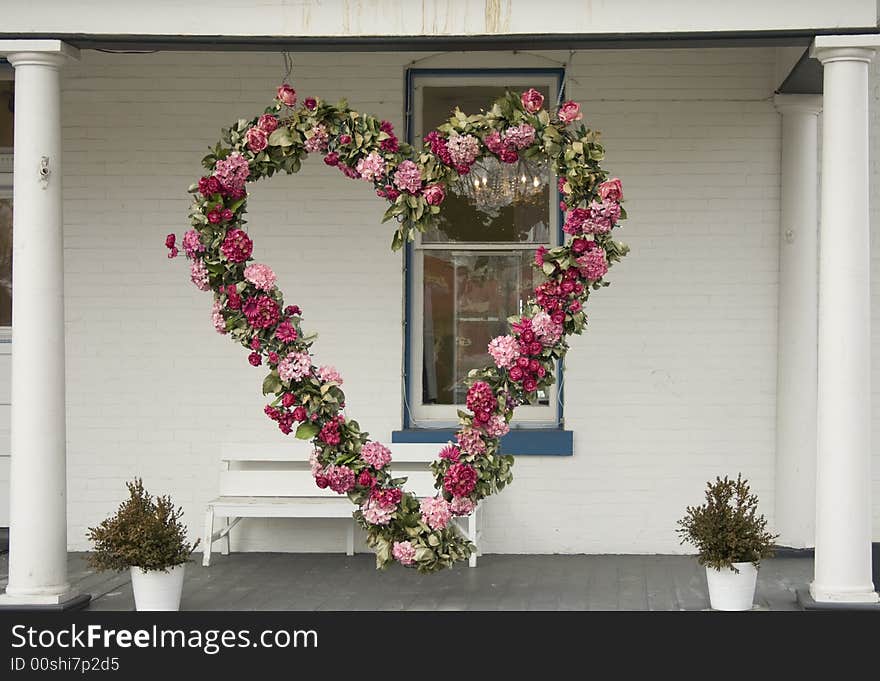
519 441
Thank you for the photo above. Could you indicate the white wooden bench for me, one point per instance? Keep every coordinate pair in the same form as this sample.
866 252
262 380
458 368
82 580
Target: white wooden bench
275 481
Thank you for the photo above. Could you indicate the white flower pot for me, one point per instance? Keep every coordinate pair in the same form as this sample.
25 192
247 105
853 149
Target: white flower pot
731 591
157 589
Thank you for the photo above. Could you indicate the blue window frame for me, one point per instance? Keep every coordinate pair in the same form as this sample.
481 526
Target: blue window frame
545 435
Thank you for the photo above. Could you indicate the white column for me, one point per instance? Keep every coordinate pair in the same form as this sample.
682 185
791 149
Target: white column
843 495
797 325
38 475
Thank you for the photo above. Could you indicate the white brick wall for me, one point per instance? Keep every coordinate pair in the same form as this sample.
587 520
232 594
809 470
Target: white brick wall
673 384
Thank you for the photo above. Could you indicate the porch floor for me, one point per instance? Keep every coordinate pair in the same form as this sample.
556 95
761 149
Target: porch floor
297 581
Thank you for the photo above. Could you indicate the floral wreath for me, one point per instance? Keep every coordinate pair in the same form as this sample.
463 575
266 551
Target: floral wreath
308 400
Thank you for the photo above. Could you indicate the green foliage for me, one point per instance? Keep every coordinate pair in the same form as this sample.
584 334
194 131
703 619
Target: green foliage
727 528
145 532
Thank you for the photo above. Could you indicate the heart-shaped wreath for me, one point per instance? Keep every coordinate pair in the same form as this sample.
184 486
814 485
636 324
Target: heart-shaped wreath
250 308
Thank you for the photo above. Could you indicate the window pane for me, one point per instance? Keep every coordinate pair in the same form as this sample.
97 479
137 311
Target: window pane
5 262
468 296
461 221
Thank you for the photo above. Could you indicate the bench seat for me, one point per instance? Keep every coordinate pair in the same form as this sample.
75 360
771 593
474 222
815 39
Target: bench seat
265 481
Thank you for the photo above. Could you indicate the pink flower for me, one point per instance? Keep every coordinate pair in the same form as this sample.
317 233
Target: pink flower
170 240
463 149
261 312
339 478
217 317
611 190
286 332
376 514
310 103
371 167
267 123
376 454
260 276
504 351
460 479
295 366
317 139
462 506
344 139
593 265
329 375
288 400
330 433
532 100
404 552
256 139
198 274
208 186
232 171
389 497
530 385
450 452
192 243
233 300
287 95
237 246
575 220
469 439
408 177
255 359
570 112
480 397
434 194
497 427
602 217
547 331
364 479
520 136
436 512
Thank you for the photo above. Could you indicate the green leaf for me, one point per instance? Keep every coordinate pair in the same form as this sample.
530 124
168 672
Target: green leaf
280 137
272 383
307 430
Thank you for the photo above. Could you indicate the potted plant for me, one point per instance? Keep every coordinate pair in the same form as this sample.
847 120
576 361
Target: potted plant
731 539
146 537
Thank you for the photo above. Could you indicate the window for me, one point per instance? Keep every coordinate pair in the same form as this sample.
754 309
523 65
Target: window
473 270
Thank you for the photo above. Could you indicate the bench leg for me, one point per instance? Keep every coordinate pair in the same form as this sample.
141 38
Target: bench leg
208 537
224 547
349 538
472 535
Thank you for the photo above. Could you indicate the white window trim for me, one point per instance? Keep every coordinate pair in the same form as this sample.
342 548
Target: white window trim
444 416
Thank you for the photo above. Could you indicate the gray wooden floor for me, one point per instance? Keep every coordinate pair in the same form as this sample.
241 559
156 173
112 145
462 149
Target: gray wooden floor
285 581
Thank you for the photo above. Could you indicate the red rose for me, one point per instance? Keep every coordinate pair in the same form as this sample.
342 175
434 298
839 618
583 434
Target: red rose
532 100
530 385
310 103
611 190
287 95
434 194
267 123
570 112
256 140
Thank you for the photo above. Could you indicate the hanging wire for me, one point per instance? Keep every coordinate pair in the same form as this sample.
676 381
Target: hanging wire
565 68
288 67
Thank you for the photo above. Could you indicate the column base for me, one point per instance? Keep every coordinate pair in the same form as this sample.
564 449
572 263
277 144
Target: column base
46 603
846 596
809 604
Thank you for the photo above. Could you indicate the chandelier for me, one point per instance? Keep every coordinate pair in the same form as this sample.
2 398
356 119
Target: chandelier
492 185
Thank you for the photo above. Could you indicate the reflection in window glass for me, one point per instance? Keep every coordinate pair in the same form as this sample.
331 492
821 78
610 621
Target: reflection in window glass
468 297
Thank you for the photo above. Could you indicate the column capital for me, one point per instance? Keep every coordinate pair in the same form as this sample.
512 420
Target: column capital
39 52
807 104
831 48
